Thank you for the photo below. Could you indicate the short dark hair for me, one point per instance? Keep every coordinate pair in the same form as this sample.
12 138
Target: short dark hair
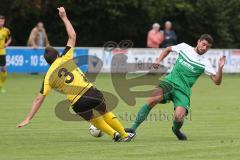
50 55
2 17
206 37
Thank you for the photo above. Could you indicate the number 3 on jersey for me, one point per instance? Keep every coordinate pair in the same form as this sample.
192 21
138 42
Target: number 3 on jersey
64 72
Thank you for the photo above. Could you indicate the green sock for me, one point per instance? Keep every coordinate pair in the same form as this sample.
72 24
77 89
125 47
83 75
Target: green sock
141 116
177 125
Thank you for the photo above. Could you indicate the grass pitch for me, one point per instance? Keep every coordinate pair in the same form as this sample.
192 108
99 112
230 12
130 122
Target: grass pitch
213 126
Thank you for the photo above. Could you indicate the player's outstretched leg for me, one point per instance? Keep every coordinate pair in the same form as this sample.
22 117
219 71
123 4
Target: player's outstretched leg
100 123
97 121
111 119
142 114
113 122
179 115
3 77
103 126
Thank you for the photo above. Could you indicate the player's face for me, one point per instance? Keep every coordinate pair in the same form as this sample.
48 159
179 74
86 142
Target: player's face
2 22
202 46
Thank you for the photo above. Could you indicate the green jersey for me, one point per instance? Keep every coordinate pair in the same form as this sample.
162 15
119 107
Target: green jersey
189 66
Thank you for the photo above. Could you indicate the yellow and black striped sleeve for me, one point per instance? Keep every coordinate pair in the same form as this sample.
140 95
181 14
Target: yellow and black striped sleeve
67 53
45 87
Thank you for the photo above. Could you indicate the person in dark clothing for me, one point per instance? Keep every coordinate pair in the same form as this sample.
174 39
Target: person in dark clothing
170 37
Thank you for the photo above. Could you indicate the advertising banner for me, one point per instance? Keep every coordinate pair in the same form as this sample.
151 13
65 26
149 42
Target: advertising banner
28 60
142 59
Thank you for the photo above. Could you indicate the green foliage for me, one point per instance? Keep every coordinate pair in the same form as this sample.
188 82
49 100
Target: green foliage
99 21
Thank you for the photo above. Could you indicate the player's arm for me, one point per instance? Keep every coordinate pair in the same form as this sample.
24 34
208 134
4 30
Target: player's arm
35 107
9 40
217 79
69 28
163 54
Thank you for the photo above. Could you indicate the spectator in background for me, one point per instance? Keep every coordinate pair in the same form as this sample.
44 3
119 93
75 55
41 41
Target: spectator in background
38 37
155 37
170 37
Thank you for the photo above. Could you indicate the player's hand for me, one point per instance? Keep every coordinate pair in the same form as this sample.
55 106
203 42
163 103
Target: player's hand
156 64
23 123
222 61
62 12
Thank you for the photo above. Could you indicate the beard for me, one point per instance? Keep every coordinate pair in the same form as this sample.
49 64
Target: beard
200 52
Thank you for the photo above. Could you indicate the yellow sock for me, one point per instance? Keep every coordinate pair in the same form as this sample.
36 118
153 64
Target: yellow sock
113 121
102 125
3 78
1 84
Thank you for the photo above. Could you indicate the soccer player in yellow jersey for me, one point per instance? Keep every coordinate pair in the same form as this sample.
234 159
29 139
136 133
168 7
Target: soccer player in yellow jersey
64 76
5 40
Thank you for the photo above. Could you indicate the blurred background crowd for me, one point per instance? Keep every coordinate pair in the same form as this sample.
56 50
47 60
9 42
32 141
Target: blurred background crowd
118 20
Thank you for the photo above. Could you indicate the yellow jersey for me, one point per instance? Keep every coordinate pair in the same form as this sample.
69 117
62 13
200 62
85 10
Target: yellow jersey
4 36
66 77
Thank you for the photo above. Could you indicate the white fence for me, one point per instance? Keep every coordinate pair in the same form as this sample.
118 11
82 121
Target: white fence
146 56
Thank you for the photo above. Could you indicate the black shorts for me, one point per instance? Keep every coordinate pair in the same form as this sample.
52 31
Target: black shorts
2 60
91 100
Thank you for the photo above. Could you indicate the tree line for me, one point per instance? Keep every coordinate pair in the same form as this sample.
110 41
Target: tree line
99 21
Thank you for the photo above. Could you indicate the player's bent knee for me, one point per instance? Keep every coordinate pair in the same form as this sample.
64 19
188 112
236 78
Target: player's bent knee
156 97
179 117
151 102
180 113
157 92
154 100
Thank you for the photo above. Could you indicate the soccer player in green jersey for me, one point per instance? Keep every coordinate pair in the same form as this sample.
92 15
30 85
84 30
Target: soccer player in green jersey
176 86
